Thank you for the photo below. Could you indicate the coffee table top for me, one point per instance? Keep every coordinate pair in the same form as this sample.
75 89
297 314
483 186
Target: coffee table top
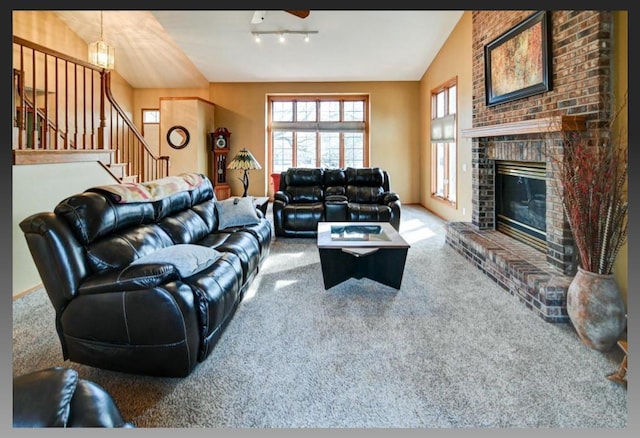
359 235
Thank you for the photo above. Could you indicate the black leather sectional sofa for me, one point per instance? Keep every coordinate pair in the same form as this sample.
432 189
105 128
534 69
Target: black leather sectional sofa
307 196
142 277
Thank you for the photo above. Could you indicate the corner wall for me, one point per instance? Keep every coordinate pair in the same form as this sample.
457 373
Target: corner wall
37 188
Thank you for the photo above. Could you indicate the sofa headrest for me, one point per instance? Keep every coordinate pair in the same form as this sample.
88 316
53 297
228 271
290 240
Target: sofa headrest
301 176
368 176
101 210
334 177
92 215
202 192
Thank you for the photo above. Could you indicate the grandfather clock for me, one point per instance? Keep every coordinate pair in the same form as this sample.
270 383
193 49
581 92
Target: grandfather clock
219 140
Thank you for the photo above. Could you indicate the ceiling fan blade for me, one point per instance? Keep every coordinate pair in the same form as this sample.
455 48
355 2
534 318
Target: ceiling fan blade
258 17
298 13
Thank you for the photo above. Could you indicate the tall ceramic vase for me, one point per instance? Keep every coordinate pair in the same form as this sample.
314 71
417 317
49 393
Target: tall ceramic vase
596 309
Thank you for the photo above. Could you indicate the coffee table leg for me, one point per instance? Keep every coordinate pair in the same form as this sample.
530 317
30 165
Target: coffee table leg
385 266
336 266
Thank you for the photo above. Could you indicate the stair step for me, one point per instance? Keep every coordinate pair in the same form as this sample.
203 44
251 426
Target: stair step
119 169
129 179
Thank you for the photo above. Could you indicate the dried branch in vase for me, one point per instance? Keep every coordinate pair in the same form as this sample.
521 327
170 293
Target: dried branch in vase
593 173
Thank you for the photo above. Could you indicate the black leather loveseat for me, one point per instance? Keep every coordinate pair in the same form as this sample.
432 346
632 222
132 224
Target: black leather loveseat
145 277
307 196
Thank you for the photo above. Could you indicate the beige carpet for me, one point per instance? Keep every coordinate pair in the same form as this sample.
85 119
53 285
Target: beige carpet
450 349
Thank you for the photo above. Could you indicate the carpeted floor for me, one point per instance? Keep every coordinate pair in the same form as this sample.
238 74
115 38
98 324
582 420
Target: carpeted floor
450 349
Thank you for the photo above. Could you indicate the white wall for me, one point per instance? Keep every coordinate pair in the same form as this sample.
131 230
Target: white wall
37 188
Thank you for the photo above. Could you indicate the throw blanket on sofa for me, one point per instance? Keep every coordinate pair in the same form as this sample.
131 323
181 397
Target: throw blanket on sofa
150 191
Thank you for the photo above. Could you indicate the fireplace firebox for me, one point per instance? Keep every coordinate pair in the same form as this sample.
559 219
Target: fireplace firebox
521 196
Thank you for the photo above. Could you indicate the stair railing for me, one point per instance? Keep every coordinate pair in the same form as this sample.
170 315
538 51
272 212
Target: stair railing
65 104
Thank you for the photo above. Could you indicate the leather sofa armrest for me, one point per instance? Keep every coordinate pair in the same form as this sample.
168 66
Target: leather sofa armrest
282 197
389 197
93 406
133 277
57 397
43 398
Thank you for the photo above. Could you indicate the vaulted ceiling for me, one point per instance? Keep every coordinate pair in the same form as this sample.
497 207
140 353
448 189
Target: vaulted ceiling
190 48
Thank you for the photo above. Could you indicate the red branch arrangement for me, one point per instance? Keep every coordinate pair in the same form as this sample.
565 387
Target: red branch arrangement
594 179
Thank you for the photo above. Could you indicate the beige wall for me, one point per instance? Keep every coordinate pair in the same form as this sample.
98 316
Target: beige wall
620 86
195 115
28 198
46 29
453 61
394 134
149 98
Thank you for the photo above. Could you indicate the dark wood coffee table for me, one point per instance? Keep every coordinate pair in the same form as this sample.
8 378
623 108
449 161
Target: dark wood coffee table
373 250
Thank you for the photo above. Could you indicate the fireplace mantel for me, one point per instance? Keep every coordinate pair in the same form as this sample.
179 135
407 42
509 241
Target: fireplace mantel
533 126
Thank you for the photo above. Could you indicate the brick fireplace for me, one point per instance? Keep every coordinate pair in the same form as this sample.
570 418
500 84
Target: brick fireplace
538 276
531 130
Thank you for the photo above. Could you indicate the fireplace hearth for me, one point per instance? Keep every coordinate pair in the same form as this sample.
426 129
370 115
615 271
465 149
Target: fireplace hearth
518 234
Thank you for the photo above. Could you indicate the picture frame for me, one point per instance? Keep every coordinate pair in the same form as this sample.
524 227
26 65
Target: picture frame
518 62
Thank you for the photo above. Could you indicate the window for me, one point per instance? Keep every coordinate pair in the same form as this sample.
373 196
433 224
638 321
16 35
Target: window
150 116
443 142
318 131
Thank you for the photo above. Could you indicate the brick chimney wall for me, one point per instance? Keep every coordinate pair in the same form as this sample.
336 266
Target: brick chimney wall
581 85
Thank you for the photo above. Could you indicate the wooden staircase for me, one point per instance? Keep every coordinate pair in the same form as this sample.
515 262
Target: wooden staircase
121 171
64 111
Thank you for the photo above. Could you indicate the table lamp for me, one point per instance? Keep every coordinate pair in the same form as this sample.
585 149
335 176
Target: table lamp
244 160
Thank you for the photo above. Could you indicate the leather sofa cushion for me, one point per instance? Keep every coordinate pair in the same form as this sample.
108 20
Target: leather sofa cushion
370 176
303 217
304 177
120 249
186 226
202 193
94 215
334 177
305 194
171 204
368 213
364 194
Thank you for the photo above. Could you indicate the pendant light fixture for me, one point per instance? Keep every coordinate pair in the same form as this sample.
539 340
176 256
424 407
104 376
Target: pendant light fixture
102 54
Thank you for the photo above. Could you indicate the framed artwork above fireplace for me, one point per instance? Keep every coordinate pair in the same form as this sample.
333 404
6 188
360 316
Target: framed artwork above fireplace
518 63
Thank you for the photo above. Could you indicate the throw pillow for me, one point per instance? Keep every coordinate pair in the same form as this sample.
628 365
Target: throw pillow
188 259
234 212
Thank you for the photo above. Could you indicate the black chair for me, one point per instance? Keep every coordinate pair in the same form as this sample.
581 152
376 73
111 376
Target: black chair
58 397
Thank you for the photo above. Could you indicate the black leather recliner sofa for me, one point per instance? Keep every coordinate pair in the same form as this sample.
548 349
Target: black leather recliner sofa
307 196
58 397
154 318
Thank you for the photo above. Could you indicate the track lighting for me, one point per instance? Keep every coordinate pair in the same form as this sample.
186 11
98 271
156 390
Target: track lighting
282 34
